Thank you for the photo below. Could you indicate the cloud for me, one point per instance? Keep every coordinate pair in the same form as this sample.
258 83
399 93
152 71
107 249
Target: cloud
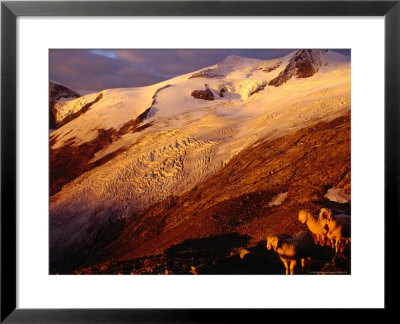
106 53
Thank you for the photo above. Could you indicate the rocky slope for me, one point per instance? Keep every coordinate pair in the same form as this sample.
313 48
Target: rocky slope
304 165
221 254
304 64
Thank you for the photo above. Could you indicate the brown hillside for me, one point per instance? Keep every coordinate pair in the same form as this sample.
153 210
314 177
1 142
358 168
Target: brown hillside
236 199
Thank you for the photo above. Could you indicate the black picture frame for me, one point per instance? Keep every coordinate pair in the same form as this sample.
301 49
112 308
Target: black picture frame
11 10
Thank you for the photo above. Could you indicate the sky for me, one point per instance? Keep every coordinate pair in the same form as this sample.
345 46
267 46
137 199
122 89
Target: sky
99 69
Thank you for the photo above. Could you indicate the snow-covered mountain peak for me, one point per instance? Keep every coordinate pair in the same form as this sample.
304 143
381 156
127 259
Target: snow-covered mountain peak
237 61
237 65
234 58
237 84
301 63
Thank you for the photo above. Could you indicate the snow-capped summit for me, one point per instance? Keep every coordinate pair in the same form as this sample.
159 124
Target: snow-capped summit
248 86
301 63
232 63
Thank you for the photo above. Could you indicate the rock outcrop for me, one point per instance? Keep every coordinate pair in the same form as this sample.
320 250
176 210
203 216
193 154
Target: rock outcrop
304 64
209 73
203 94
58 92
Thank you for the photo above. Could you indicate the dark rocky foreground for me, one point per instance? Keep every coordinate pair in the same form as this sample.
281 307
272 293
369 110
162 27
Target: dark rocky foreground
221 254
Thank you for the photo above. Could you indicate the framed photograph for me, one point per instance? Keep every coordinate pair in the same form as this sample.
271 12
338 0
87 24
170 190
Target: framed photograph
188 161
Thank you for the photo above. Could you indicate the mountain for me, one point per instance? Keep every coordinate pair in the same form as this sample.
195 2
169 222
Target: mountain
237 147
